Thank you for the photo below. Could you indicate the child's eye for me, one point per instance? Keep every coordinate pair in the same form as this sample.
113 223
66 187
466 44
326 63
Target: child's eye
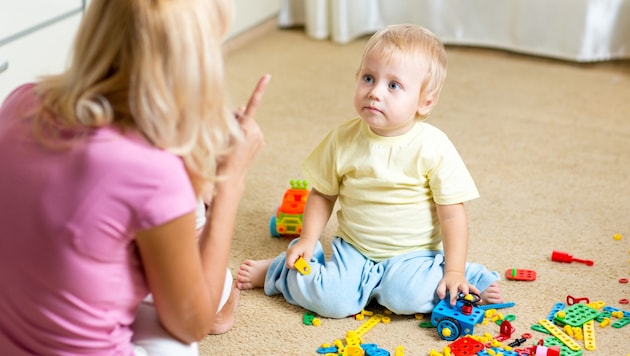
368 78
394 86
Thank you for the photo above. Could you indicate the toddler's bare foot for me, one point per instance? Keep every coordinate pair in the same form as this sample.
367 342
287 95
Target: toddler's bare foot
251 274
225 317
492 295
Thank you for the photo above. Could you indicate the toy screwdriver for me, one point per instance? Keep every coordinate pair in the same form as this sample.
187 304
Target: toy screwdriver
560 256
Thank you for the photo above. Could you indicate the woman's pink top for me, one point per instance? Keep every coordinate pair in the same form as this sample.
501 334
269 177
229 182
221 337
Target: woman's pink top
70 274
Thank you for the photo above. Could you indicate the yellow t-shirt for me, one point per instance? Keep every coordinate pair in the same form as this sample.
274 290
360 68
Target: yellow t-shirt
387 187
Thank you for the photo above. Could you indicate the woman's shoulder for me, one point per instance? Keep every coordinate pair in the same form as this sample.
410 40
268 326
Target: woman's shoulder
20 96
126 148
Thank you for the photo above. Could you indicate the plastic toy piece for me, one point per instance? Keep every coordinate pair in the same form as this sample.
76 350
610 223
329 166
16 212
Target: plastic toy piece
576 315
365 327
541 350
589 335
564 349
302 266
450 320
466 346
613 309
540 328
505 331
621 323
559 256
327 350
495 351
287 220
309 319
496 306
520 274
597 304
573 300
352 339
373 350
556 308
559 334
517 342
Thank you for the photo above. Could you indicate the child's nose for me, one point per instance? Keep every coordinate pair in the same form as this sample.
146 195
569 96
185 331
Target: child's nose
375 93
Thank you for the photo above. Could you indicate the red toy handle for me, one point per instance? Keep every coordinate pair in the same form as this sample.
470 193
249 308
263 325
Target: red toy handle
560 256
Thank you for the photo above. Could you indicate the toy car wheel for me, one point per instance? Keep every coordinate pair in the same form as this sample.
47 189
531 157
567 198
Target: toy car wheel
448 328
273 230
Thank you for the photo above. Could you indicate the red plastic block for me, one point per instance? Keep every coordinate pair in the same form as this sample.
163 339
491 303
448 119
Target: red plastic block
520 274
466 346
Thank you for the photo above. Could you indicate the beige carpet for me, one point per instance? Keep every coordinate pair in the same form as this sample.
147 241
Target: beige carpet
548 143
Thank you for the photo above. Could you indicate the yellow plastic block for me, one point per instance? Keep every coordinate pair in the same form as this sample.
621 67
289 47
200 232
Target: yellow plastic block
589 335
568 330
352 339
302 266
555 331
598 304
365 327
354 350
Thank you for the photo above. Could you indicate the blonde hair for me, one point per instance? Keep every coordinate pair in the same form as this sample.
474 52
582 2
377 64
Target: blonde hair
152 65
412 40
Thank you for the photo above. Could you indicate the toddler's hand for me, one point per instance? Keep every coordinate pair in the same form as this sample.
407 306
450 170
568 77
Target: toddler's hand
299 249
454 283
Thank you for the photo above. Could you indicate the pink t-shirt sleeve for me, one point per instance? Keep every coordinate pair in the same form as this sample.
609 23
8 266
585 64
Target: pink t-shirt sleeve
166 192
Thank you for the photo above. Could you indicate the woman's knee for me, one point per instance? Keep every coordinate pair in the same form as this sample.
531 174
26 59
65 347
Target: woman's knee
151 338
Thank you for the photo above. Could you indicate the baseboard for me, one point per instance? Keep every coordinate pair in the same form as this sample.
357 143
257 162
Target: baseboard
250 35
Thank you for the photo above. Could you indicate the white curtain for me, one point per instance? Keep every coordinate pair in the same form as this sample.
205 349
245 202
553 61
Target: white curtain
577 30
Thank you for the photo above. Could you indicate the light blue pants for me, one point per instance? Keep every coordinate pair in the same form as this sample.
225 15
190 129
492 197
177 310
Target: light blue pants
348 281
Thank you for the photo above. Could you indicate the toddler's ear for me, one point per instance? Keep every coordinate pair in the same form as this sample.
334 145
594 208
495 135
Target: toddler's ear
426 105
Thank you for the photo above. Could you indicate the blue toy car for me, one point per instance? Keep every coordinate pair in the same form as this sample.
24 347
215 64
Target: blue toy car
453 321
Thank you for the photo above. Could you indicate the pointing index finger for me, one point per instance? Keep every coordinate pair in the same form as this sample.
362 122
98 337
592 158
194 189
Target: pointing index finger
257 94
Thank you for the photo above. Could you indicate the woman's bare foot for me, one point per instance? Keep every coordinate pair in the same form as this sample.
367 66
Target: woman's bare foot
225 317
251 274
492 294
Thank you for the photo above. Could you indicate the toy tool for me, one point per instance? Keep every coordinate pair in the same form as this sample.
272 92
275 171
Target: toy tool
302 266
560 256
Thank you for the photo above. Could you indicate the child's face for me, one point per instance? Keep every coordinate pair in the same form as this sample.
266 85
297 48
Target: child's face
387 96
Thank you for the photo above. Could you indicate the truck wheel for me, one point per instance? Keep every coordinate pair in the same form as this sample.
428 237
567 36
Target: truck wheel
273 230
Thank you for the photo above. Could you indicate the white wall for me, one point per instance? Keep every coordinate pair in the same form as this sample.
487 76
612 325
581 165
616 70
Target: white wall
46 50
249 13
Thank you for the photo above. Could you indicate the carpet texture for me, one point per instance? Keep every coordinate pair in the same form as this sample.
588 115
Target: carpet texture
548 143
